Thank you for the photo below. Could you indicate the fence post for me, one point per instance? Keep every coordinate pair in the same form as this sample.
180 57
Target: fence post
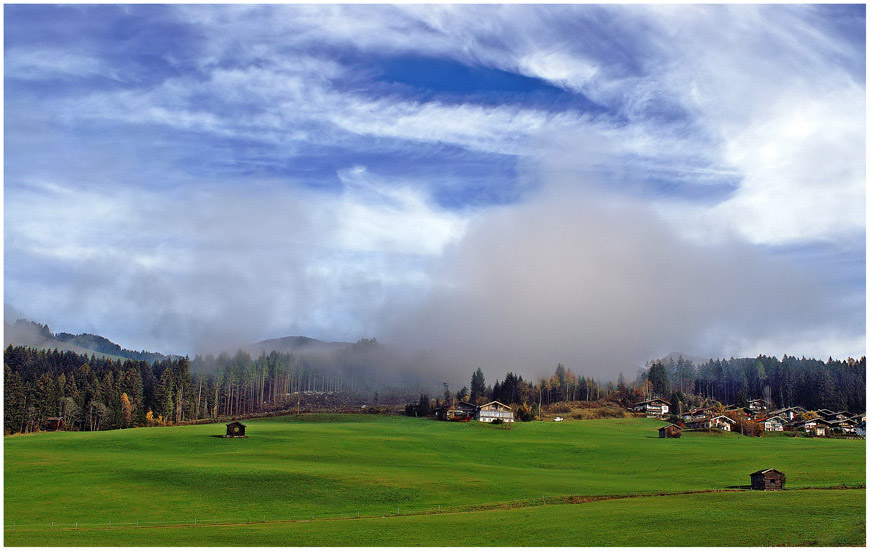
77 525
357 513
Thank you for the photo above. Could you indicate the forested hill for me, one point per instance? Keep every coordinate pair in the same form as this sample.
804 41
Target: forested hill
297 345
28 333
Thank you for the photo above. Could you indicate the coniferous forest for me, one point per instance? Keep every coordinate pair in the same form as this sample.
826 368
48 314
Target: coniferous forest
97 393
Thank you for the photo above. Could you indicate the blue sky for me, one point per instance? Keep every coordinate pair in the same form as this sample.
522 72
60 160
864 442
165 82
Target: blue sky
505 183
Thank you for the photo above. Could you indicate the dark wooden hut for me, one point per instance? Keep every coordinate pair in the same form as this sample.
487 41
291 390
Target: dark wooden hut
235 429
54 423
670 431
768 479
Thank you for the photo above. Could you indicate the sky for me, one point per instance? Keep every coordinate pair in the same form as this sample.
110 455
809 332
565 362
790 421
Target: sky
498 186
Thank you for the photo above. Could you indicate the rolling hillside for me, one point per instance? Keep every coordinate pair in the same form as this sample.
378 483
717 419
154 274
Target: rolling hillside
318 467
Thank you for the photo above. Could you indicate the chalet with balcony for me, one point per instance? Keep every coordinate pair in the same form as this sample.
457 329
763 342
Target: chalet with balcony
758 404
720 422
773 424
816 426
487 413
653 408
462 412
696 414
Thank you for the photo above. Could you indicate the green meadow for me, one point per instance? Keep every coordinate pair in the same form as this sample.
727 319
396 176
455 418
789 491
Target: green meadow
332 468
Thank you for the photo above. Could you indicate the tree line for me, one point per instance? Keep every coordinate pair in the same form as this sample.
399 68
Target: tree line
96 393
813 384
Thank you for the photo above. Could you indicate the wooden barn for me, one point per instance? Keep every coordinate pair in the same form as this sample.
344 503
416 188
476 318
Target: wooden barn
235 430
670 431
768 479
54 423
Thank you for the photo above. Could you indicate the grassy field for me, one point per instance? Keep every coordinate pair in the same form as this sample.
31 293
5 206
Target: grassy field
338 466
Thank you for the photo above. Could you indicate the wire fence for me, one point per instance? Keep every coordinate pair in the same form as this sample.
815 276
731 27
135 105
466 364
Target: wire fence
348 515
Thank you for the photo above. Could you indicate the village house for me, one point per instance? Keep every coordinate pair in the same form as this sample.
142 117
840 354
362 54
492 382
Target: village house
824 412
653 408
767 479
773 424
670 431
463 412
837 416
696 414
758 405
843 426
487 413
720 422
816 426
789 413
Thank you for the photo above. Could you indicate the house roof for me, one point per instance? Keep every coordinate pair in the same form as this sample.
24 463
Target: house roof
765 471
816 420
495 402
671 425
236 424
725 417
651 401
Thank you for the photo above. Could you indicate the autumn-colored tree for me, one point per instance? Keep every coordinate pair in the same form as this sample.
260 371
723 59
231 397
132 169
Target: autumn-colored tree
127 410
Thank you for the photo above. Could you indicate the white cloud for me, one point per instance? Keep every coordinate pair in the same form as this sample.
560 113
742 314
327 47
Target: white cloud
42 64
559 68
189 268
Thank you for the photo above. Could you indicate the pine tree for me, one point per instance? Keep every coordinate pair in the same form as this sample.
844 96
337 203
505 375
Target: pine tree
478 386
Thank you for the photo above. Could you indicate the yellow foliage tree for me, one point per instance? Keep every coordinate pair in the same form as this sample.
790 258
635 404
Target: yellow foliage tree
127 409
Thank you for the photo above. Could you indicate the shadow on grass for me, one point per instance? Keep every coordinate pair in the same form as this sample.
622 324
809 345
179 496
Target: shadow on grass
740 487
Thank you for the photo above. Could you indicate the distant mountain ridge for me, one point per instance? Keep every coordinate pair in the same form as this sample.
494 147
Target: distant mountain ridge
296 344
35 335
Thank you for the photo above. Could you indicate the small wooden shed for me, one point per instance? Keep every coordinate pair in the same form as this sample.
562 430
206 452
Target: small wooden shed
54 423
768 479
670 431
235 429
